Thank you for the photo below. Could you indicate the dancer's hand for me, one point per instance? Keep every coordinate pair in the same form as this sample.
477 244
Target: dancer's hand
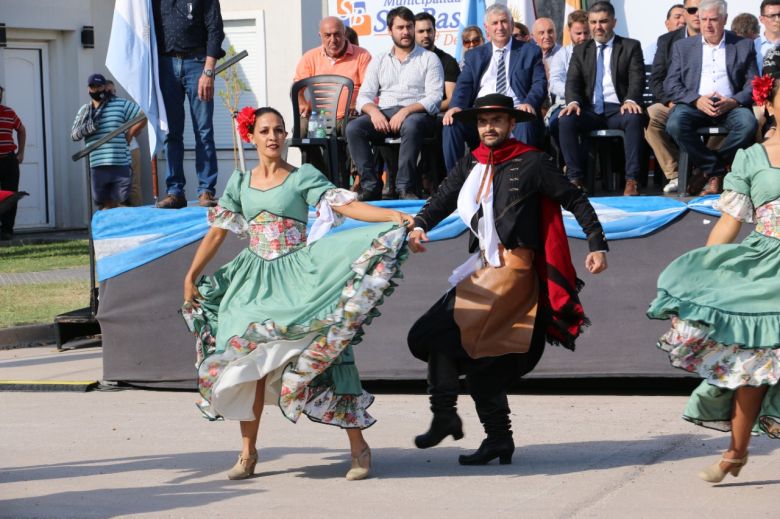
191 294
596 262
401 218
416 237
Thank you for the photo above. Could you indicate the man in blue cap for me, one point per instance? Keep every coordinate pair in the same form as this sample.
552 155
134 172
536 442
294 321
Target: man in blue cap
109 163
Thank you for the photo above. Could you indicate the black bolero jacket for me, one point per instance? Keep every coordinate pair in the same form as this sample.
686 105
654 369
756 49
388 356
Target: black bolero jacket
517 186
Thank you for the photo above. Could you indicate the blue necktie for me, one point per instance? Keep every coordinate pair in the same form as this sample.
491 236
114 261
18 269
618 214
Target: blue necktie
501 74
598 91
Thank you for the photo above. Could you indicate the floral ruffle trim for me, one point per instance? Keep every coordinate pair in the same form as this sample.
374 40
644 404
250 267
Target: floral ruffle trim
375 270
746 330
737 205
345 411
327 218
223 218
690 348
769 425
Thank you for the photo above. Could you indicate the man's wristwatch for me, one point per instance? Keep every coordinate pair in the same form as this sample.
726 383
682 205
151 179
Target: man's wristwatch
208 72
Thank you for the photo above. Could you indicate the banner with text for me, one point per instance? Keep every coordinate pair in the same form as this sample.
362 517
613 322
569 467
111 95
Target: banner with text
369 20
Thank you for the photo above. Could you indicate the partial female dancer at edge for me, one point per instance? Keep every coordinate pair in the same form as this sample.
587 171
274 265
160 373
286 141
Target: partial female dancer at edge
724 302
278 322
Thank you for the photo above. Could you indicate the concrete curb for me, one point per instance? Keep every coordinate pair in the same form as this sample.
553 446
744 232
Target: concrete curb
26 336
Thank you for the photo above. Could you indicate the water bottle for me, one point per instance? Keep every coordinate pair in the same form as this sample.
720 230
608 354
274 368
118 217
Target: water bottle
322 131
314 124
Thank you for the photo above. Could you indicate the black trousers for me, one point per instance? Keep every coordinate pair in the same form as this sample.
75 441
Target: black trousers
435 338
9 181
572 127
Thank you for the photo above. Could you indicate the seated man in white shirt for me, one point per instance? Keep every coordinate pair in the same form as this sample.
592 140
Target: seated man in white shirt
409 82
710 84
579 32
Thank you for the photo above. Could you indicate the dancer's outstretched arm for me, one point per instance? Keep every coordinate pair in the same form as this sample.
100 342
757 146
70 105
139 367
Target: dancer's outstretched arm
725 231
206 251
370 213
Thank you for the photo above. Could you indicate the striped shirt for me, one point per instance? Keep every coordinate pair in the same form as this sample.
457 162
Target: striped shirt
418 79
9 122
116 151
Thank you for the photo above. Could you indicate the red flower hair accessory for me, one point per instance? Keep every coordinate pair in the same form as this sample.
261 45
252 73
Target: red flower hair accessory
246 122
762 87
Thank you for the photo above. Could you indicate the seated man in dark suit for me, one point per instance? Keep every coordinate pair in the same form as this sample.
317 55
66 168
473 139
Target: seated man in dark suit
664 149
709 81
490 69
604 89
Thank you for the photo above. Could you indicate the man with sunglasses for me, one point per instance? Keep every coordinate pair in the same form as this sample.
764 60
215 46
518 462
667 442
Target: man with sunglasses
664 148
710 82
770 19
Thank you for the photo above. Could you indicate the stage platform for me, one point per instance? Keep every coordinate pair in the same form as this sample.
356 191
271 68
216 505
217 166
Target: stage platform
145 340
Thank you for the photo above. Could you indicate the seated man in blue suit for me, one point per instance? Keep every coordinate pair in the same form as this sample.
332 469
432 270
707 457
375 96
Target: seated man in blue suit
710 82
490 69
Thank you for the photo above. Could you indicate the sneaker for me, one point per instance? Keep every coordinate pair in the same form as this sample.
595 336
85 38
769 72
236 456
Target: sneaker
671 186
206 199
172 202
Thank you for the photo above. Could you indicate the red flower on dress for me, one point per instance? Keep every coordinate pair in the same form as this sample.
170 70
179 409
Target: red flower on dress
762 87
246 122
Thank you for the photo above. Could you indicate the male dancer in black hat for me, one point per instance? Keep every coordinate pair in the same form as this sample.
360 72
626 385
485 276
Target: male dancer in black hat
509 195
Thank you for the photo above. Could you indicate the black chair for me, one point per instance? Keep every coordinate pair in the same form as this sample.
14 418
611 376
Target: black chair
389 149
601 156
325 92
684 162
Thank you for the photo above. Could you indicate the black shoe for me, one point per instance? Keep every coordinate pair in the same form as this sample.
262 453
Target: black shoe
443 425
368 196
389 193
407 195
172 202
491 448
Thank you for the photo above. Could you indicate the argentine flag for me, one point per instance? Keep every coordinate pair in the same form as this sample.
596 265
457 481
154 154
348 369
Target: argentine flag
132 60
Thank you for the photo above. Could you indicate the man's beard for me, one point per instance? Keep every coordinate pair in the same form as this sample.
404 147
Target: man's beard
398 44
496 143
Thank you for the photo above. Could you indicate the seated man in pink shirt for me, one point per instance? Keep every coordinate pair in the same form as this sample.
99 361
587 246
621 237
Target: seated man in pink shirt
336 56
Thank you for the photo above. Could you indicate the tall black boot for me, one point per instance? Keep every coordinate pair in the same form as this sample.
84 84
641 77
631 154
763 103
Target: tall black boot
494 414
443 389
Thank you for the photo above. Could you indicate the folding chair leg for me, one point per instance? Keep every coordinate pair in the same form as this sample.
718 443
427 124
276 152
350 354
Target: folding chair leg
682 173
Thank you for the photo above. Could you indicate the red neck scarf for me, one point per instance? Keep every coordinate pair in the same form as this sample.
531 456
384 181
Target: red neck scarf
553 262
505 151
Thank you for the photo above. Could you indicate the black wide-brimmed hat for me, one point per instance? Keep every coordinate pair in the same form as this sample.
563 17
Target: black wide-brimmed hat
492 103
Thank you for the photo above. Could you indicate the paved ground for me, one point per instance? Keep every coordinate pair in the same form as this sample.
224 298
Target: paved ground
149 454
50 276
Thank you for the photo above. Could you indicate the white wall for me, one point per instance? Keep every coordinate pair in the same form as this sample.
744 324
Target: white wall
58 23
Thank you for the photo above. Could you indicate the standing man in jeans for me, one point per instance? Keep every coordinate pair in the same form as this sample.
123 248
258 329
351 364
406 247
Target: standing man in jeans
10 158
189 42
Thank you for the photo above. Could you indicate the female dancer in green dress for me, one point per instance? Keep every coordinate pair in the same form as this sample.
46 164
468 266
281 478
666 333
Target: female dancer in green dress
724 301
278 322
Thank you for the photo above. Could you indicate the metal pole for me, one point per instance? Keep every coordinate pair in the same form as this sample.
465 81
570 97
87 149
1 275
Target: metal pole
90 212
129 124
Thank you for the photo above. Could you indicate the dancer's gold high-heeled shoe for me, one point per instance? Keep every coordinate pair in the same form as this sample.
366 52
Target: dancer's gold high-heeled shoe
360 470
715 474
244 467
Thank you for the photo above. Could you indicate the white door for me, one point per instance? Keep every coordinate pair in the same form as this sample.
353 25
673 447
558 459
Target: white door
25 79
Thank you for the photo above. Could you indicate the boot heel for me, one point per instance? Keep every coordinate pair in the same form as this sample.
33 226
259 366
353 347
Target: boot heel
457 435
505 459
